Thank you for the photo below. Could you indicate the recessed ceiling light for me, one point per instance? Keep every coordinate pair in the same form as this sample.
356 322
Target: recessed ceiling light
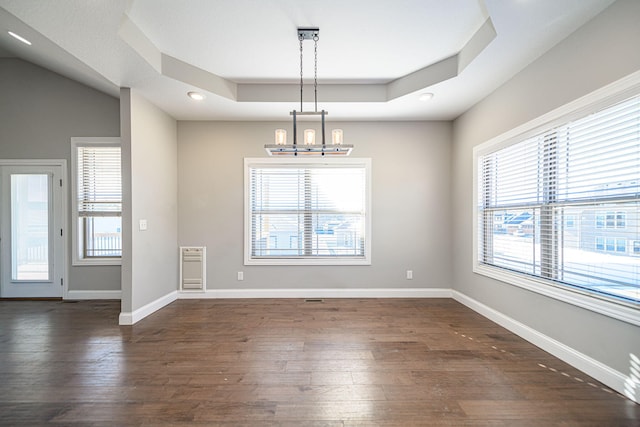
426 96
195 96
22 39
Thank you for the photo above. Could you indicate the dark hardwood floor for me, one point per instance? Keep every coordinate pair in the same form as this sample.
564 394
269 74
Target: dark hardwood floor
341 362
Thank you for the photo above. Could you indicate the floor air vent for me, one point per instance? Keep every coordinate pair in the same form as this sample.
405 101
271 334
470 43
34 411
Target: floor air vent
193 268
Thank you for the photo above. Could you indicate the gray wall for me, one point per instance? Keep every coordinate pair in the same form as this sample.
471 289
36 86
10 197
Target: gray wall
410 174
602 51
150 257
39 113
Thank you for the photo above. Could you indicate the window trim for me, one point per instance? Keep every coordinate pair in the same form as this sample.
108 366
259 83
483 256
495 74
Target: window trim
76 142
592 102
346 260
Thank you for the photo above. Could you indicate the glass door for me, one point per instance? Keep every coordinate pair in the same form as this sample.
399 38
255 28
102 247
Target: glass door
31 245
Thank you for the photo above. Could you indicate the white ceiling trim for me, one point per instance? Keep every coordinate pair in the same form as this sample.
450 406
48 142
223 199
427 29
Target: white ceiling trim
421 79
190 74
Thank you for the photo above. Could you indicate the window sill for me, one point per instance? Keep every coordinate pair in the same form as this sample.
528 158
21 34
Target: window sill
96 262
616 310
307 261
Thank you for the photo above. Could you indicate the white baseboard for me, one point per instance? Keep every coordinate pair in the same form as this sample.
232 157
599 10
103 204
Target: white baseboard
623 384
82 295
319 293
130 318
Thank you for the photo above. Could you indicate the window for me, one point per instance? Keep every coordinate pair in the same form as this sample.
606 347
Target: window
307 211
97 195
570 198
570 221
612 244
611 220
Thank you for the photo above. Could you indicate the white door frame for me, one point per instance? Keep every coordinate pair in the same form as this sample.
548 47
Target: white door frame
62 163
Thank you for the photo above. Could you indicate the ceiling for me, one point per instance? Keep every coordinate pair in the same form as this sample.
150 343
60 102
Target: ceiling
375 57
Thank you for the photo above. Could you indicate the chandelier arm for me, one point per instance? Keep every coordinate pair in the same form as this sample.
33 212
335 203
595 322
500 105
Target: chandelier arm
323 142
295 139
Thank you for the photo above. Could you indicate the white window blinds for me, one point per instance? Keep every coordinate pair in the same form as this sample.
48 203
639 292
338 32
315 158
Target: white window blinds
98 207
99 191
564 205
307 211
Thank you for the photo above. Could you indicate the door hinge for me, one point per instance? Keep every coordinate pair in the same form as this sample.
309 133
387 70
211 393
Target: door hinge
61 231
61 281
61 182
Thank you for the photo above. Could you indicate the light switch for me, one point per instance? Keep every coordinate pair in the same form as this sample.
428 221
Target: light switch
143 224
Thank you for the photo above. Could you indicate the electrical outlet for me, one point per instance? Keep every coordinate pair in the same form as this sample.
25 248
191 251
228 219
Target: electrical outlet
240 275
409 274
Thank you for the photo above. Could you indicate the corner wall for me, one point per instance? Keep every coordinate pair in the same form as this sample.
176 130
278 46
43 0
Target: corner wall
150 179
601 52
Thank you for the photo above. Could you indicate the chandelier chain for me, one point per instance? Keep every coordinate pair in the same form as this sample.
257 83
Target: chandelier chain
301 38
315 72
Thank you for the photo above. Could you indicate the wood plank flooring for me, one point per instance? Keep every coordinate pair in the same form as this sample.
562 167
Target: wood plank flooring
341 362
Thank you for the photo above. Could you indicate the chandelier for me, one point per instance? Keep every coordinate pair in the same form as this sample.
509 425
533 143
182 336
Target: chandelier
309 146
